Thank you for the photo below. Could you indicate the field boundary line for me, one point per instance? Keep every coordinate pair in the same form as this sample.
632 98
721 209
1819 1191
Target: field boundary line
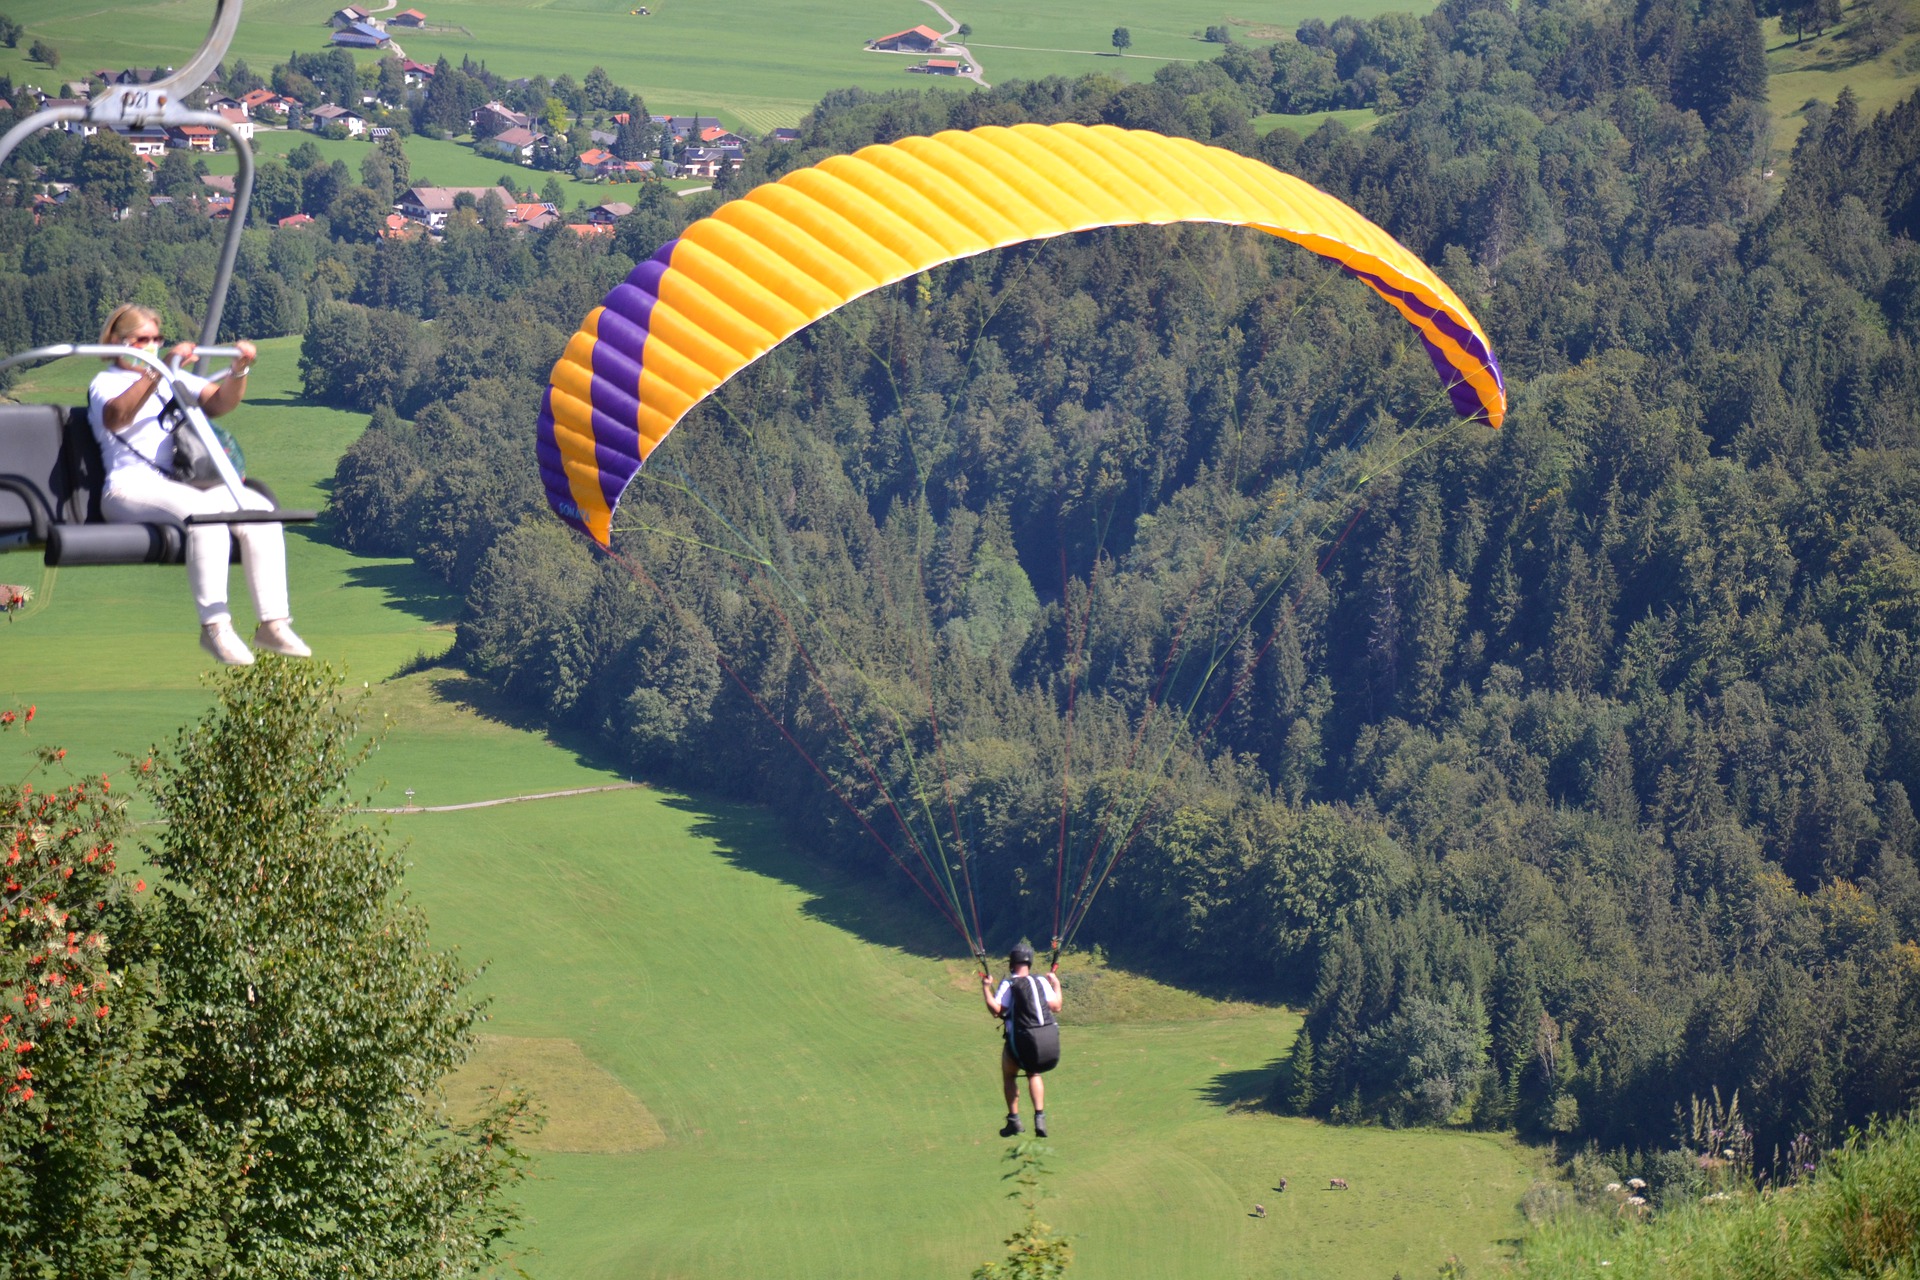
487 804
471 804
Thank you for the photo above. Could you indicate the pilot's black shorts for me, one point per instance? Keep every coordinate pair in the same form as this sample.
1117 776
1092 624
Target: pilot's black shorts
1036 1049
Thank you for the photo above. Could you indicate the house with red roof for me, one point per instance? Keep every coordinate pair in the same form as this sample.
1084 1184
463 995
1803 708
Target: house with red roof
408 18
921 39
191 137
532 215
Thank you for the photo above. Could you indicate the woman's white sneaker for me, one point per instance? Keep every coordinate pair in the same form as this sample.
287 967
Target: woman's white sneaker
277 637
224 643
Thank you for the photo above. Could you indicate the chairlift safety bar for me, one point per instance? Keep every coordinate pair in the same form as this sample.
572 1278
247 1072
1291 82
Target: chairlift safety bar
188 402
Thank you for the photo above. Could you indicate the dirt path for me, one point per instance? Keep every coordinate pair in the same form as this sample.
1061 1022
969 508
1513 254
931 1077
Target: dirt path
488 804
952 29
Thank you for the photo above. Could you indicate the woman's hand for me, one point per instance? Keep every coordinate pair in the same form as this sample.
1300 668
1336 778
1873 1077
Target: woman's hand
223 396
181 354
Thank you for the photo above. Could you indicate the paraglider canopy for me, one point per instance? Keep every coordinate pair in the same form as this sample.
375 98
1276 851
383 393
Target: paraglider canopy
762 267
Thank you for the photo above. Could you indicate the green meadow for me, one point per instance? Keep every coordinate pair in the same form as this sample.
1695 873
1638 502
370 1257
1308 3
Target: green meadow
1818 67
438 162
752 63
751 1065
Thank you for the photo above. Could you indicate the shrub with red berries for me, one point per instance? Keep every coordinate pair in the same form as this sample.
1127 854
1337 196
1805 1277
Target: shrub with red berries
59 883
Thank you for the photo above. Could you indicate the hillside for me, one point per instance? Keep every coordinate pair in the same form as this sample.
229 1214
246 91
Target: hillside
695 1002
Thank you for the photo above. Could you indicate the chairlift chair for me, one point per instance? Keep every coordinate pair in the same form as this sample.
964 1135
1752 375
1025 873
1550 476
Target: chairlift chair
51 475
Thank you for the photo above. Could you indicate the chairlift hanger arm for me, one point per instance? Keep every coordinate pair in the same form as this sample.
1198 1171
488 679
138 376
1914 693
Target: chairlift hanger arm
163 103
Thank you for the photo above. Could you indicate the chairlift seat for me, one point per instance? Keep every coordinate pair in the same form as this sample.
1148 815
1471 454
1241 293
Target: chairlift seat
51 477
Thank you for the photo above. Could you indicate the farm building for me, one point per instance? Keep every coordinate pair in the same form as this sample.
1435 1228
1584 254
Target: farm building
361 35
943 67
408 18
921 39
348 16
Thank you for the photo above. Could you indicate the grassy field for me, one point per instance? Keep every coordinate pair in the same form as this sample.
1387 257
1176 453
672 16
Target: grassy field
753 1068
752 63
1357 119
1819 67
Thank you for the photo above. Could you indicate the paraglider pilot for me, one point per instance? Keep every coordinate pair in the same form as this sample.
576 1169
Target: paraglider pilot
1026 1003
126 406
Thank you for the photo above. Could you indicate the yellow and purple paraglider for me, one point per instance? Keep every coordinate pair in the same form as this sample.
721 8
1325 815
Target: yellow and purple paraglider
738 283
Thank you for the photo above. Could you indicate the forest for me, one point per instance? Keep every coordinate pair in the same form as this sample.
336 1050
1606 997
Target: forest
1562 773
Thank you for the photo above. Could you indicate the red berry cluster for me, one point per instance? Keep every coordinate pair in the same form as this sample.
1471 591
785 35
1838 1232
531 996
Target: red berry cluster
58 878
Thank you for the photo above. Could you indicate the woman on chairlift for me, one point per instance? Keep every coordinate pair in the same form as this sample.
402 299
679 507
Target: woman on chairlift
128 409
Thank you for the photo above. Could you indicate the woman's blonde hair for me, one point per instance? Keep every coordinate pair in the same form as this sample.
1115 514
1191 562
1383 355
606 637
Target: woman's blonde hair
124 317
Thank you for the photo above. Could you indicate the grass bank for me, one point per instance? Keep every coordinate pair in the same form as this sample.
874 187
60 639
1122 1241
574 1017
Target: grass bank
1858 1216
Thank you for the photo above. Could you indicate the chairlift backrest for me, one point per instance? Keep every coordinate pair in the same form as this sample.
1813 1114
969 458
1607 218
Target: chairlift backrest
42 476
51 474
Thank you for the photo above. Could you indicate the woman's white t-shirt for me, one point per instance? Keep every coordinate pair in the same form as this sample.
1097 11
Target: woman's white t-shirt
147 443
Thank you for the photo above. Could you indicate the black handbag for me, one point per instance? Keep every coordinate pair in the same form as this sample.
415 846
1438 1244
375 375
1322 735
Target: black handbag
192 464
